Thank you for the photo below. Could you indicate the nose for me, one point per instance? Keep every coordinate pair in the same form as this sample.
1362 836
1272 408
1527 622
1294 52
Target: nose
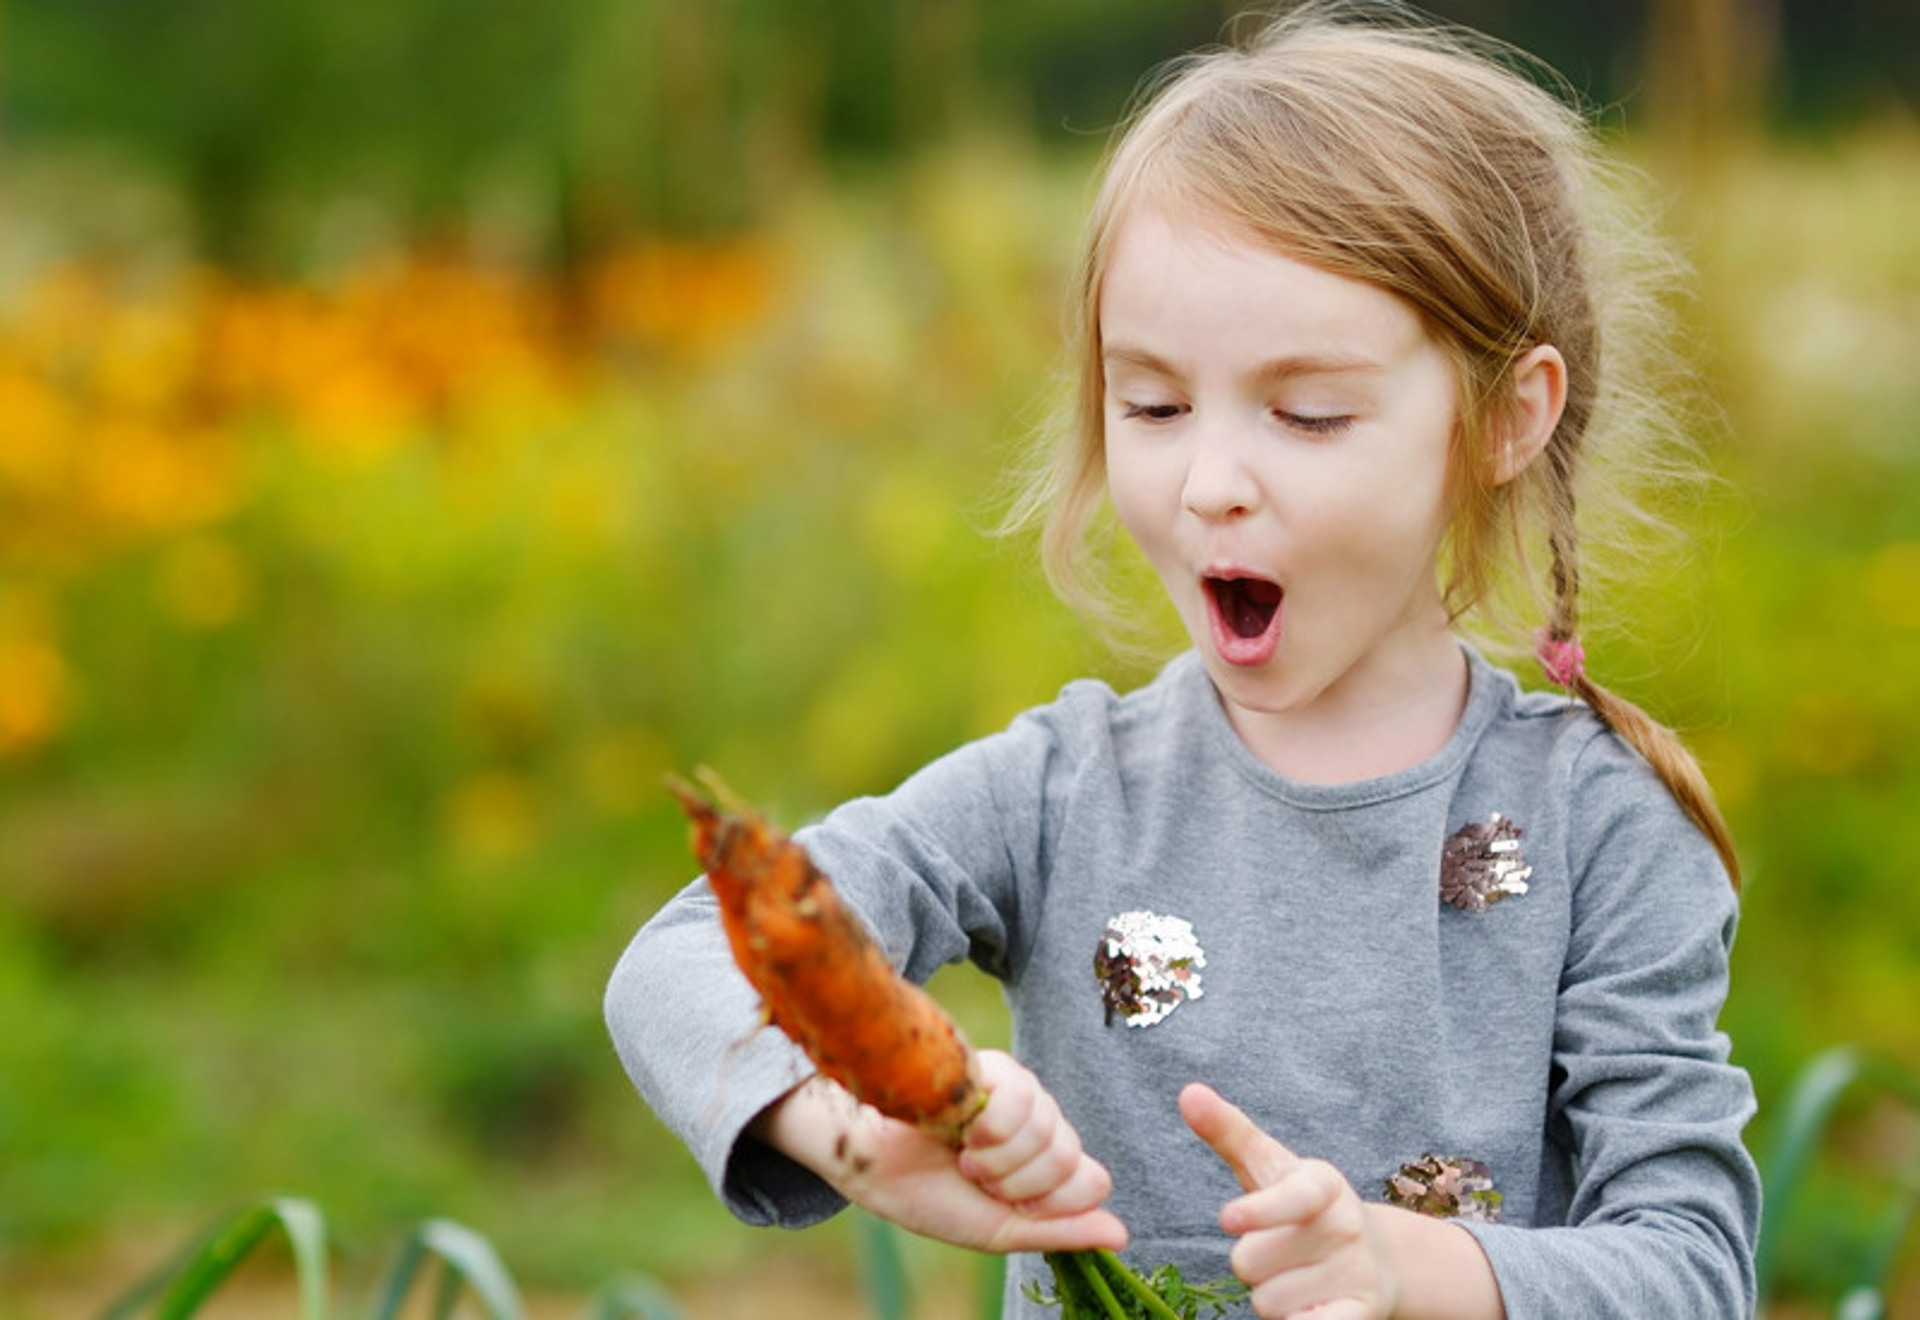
1220 484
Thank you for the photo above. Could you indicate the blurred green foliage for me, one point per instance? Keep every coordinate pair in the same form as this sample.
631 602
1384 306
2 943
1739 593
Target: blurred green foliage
356 593
349 629
556 125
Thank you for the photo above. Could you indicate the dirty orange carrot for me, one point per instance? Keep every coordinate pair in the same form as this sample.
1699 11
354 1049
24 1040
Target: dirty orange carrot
824 982
821 978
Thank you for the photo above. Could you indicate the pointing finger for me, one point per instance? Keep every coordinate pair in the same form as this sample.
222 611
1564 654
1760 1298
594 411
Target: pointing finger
1256 1159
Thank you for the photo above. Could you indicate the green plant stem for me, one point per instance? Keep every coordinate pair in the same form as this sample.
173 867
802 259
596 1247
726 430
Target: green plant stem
1088 1263
1134 1284
1075 1301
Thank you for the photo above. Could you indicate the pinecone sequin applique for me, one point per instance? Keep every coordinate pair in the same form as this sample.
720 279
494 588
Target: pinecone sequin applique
1480 864
1147 966
1446 1189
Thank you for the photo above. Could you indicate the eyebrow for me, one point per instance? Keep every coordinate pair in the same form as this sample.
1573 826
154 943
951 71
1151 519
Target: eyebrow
1293 364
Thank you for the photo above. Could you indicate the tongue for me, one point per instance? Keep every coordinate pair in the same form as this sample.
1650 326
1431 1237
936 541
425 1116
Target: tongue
1248 604
1246 619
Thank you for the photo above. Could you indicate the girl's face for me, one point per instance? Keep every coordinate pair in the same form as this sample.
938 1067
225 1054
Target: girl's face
1277 443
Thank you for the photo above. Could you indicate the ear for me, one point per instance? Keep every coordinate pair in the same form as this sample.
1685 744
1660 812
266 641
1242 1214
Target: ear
1538 396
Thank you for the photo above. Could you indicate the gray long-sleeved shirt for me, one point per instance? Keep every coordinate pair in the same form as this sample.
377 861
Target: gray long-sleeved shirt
1565 1036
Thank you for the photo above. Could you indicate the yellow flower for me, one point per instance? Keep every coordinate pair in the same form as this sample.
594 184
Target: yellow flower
33 694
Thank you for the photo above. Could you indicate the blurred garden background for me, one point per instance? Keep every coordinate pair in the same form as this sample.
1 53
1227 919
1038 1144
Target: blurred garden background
424 424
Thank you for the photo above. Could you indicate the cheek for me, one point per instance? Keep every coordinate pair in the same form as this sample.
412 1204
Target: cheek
1407 531
1381 526
1136 493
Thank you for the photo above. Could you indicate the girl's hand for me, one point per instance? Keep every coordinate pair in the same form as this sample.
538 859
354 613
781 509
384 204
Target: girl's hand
1021 1150
1307 1246
1021 1182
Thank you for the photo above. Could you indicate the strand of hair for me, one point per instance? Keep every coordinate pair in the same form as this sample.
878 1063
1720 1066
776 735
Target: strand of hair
1671 760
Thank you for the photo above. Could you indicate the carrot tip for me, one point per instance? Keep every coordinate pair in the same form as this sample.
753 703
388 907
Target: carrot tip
708 794
690 797
821 979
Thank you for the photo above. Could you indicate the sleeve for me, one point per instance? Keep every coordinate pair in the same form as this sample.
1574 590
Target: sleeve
1665 1204
933 869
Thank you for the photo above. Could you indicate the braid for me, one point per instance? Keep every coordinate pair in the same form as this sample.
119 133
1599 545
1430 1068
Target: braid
1564 623
1560 652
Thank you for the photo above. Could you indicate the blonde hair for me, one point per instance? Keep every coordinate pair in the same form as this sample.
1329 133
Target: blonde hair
1422 159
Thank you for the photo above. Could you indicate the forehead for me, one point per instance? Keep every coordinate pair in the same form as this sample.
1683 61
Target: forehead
1175 272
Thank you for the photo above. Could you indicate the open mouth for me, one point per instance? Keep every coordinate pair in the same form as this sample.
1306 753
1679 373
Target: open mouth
1245 613
1246 605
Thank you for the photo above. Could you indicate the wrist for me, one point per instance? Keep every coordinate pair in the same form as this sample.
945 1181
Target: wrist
810 1125
1437 1267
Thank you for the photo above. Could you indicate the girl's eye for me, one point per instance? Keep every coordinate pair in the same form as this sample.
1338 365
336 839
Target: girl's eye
1151 412
1314 424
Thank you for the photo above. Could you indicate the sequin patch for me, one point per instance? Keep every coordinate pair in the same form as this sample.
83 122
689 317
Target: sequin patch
1481 864
1147 966
1446 1188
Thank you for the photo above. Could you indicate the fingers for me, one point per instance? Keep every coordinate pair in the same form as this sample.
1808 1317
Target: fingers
1301 1238
1323 1290
1256 1158
1019 1114
1021 1149
1088 1231
1307 1214
1340 1308
1086 1187
1312 1193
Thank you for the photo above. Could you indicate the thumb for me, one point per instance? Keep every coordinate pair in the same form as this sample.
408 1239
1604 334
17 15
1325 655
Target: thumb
1256 1159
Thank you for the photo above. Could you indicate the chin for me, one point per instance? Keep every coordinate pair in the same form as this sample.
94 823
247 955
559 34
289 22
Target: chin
1264 689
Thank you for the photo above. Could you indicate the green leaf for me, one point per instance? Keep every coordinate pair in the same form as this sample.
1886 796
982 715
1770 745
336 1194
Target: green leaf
1809 1112
632 1297
883 1270
1097 1284
184 1284
467 1258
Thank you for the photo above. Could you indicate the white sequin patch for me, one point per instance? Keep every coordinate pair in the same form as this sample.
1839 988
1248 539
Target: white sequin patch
1147 965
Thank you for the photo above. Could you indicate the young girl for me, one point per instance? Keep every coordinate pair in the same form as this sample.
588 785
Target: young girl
1429 966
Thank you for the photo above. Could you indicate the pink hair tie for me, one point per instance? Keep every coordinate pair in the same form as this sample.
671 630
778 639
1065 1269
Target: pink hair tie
1564 659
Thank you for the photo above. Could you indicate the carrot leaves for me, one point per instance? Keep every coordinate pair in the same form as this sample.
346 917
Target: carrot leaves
1098 1285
